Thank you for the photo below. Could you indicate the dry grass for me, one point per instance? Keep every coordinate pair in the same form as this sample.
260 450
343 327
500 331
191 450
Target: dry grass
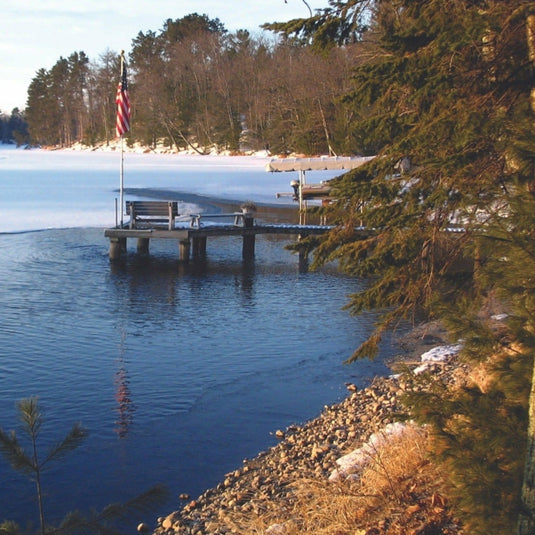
399 492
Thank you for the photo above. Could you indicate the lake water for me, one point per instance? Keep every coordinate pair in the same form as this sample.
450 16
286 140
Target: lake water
178 372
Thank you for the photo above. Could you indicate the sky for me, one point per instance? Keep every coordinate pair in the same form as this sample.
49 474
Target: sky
34 34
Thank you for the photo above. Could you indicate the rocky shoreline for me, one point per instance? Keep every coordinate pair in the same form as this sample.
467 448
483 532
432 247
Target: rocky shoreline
308 451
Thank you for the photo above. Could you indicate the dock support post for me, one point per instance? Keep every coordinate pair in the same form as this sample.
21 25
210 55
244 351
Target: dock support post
303 261
143 245
117 247
199 246
248 239
184 248
248 246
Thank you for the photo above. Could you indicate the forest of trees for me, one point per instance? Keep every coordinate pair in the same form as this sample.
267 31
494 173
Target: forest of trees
13 128
194 83
449 84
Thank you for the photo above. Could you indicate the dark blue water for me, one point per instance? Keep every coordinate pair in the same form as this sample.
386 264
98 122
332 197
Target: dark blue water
178 373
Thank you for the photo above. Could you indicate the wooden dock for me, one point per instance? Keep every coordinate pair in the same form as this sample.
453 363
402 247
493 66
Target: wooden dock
192 234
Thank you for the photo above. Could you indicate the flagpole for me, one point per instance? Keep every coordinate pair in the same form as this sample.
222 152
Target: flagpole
121 183
121 177
122 125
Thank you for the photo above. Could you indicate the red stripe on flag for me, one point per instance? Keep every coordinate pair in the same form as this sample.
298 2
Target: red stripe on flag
123 107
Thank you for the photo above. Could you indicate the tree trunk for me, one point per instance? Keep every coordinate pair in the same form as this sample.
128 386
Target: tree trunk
526 519
526 524
37 470
326 130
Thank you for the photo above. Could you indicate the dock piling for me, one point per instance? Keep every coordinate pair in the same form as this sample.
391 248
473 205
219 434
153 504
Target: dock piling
248 246
184 250
117 248
199 246
143 245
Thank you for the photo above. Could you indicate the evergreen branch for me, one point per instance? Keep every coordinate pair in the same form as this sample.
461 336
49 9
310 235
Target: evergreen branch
10 528
30 416
143 502
14 453
99 522
71 441
76 522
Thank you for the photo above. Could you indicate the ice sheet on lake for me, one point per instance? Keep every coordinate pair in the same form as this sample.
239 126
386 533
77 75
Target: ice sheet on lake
62 189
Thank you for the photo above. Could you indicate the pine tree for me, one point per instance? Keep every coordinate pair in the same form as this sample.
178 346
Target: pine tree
449 86
33 463
29 462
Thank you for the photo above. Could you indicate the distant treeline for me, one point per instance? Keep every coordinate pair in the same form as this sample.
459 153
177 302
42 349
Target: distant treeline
194 83
13 128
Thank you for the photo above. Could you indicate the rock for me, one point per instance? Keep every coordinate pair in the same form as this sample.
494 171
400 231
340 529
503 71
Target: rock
143 528
169 520
310 451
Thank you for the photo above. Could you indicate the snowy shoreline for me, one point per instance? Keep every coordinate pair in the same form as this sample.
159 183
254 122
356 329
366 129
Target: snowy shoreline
115 146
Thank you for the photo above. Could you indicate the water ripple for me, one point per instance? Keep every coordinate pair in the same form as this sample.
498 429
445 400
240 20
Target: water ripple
147 353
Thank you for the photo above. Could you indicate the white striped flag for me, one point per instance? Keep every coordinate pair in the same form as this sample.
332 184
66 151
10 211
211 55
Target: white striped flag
123 104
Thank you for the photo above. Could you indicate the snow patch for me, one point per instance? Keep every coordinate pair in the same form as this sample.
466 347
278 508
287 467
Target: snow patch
441 353
437 354
350 465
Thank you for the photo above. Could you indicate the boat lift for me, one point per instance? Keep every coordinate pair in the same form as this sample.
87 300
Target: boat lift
304 192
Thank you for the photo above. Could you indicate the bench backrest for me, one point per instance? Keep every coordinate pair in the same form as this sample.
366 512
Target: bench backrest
152 208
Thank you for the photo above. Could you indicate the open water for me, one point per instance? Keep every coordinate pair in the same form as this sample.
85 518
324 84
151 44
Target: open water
178 373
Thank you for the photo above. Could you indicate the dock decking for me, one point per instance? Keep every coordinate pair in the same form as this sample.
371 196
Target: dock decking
192 237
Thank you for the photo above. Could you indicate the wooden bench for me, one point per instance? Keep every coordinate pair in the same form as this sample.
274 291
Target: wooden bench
151 212
239 218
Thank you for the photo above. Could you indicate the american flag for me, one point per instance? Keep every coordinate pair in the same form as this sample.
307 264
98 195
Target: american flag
123 104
